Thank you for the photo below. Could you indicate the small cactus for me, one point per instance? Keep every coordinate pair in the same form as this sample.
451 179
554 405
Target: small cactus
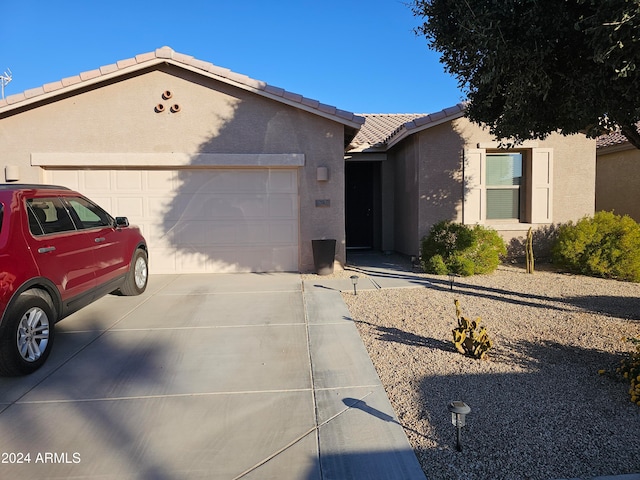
529 251
469 338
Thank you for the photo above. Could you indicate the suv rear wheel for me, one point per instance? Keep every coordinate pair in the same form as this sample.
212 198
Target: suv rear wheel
26 337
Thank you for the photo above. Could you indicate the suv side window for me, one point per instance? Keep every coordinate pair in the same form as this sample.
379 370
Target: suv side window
89 214
48 215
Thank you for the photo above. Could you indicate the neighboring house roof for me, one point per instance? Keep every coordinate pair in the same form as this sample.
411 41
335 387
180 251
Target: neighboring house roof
382 131
614 139
169 56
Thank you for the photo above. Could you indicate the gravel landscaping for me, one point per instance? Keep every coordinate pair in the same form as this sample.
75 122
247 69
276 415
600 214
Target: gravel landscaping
540 410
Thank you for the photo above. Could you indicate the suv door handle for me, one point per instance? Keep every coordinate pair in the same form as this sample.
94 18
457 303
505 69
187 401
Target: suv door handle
100 239
46 249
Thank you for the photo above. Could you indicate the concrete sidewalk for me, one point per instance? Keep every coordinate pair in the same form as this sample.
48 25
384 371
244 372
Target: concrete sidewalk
376 271
206 376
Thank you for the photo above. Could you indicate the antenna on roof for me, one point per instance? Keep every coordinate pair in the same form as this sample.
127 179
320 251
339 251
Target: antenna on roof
5 78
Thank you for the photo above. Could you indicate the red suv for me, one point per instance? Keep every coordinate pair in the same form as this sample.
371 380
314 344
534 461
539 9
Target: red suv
58 253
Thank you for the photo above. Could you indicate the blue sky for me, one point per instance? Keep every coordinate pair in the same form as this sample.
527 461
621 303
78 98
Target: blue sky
358 55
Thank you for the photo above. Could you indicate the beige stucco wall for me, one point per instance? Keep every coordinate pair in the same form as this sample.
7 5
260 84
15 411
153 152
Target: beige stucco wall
434 190
406 190
388 214
617 180
120 117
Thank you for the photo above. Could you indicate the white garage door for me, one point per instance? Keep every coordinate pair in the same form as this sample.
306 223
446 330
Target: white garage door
201 220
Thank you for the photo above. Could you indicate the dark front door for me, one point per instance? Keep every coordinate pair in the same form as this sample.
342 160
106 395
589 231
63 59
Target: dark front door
359 184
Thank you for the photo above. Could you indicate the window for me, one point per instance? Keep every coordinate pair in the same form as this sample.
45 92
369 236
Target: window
89 214
504 180
508 187
48 215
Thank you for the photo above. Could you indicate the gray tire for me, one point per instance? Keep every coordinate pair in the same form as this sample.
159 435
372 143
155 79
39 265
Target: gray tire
138 276
27 333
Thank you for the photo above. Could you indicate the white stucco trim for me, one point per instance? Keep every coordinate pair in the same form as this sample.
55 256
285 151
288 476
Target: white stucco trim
514 146
168 160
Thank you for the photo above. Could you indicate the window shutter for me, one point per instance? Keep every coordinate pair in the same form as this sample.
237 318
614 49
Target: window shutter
542 185
474 200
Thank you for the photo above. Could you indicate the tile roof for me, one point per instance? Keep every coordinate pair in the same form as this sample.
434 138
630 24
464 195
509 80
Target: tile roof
168 55
378 126
381 131
613 139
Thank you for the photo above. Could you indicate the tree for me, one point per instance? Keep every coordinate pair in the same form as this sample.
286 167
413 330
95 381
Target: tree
533 67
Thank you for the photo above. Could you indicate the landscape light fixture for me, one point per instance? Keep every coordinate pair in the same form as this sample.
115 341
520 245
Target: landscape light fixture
452 277
354 281
459 410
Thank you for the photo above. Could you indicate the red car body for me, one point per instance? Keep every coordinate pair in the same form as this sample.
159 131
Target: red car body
58 250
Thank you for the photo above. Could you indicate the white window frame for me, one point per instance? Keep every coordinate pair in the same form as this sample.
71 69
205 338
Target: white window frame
520 187
537 185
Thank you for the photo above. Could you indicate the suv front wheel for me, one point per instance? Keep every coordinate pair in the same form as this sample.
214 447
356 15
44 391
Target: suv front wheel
136 281
26 336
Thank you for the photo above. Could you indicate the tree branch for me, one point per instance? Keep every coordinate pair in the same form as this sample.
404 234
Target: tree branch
632 134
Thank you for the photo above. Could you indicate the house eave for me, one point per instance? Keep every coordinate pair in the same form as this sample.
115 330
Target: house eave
166 56
620 147
424 123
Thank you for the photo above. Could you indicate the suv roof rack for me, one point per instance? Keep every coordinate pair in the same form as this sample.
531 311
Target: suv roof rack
30 186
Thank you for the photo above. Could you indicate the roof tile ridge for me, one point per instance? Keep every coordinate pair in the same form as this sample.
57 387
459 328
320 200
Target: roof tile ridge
145 57
168 53
394 114
164 52
127 62
428 119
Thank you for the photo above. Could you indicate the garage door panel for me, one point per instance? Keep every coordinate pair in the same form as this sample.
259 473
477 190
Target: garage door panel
129 181
230 259
99 180
202 220
223 181
251 181
283 206
157 206
202 234
133 206
67 178
282 233
281 257
283 181
249 207
213 206
163 260
188 261
224 233
161 180
191 235
107 203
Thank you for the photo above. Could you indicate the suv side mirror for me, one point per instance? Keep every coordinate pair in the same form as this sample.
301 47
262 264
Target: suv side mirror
122 222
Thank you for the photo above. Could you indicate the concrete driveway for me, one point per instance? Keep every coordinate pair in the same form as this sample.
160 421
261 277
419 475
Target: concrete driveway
206 376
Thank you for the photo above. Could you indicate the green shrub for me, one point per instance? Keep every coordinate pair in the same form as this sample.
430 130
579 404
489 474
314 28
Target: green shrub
437 265
605 245
456 248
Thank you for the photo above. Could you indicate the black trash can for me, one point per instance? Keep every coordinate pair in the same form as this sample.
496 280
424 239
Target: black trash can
324 253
